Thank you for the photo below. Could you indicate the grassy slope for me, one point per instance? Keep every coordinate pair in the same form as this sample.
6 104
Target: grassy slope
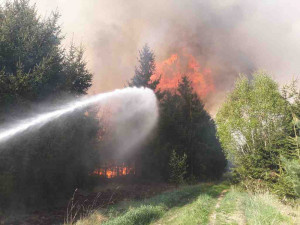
196 211
194 205
246 208
199 199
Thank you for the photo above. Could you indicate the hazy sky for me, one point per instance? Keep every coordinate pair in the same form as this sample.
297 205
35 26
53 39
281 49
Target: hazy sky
229 37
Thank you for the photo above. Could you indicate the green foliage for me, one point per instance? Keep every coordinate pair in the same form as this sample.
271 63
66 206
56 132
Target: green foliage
188 128
47 163
254 125
145 70
291 178
178 168
184 125
78 78
33 65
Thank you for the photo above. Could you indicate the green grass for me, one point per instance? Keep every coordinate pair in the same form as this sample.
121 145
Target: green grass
262 210
229 206
196 212
239 207
142 215
194 205
196 200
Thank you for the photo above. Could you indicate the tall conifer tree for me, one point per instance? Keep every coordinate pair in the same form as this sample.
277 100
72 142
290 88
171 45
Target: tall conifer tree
145 70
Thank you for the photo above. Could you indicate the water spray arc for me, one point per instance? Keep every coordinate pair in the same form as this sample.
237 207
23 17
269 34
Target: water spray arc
144 97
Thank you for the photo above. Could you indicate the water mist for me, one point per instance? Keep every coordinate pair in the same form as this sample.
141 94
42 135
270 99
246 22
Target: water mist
136 103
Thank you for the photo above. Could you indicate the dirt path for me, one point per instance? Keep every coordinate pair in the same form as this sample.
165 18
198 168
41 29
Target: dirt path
239 216
212 219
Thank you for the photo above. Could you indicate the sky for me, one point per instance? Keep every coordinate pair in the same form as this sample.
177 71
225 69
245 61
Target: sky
228 37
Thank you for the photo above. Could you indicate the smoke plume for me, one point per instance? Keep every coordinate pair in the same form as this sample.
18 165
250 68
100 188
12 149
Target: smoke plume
226 37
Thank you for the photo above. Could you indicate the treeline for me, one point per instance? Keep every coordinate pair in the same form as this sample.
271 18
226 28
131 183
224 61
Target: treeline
258 126
184 127
46 164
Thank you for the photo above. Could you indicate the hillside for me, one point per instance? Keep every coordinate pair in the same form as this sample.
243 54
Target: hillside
205 203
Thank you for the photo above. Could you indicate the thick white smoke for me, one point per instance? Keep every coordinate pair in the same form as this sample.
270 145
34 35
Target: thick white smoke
228 36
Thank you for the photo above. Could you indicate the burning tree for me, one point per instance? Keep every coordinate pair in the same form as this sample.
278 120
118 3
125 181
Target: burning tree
184 124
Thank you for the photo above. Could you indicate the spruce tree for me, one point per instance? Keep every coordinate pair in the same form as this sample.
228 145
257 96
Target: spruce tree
145 70
51 161
187 127
198 134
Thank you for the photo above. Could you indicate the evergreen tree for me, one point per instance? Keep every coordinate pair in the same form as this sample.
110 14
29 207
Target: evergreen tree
177 168
186 126
145 70
205 157
48 162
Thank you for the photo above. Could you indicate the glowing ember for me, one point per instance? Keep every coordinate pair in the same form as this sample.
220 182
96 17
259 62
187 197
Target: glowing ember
111 171
172 69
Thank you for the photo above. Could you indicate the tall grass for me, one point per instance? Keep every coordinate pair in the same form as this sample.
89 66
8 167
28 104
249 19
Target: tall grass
263 209
196 212
150 210
194 205
240 207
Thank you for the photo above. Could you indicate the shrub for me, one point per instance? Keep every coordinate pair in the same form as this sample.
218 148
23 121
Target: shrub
178 168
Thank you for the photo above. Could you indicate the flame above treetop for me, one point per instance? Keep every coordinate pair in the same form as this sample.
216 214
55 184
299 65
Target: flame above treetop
178 64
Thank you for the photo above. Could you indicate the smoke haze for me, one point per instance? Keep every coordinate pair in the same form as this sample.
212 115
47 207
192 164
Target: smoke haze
227 36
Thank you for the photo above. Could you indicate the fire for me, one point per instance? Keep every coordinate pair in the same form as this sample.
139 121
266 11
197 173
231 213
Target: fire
111 170
172 69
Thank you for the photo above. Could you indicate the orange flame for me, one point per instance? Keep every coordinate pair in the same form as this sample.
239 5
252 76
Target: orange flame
112 171
172 69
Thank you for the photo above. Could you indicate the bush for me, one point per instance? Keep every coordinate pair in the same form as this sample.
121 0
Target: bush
257 130
192 179
289 182
178 167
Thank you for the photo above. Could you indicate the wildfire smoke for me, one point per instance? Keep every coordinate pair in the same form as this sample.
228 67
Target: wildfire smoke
226 37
